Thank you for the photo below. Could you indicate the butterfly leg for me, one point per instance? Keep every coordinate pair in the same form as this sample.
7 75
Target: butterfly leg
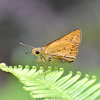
44 69
37 66
51 65
38 60
56 65
43 65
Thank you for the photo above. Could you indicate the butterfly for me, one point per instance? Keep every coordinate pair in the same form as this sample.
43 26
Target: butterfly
62 50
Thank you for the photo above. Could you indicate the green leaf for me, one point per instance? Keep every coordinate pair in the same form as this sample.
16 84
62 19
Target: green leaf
49 85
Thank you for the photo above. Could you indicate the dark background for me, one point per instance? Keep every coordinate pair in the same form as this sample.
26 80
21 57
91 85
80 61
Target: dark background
38 22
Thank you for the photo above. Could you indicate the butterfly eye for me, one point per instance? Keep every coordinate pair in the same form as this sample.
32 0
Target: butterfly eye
37 52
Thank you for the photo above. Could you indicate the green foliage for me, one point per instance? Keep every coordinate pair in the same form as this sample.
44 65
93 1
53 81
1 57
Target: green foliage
49 85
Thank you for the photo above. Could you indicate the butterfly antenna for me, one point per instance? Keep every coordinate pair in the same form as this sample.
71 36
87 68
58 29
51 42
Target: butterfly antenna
26 45
27 52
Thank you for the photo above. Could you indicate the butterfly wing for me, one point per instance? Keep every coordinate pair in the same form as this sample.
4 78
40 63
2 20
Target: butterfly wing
74 36
65 49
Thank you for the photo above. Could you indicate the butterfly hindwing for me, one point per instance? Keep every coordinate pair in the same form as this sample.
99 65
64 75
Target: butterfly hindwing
64 51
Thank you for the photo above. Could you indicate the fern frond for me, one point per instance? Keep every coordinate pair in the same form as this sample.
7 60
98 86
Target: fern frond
49 85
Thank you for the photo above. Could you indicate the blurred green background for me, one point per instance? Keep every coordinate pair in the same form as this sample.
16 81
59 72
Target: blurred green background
38 22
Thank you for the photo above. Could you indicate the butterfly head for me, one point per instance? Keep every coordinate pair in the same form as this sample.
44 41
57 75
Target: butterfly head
36 51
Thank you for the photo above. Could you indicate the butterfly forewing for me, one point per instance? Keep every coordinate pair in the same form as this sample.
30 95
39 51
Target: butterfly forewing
74 36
